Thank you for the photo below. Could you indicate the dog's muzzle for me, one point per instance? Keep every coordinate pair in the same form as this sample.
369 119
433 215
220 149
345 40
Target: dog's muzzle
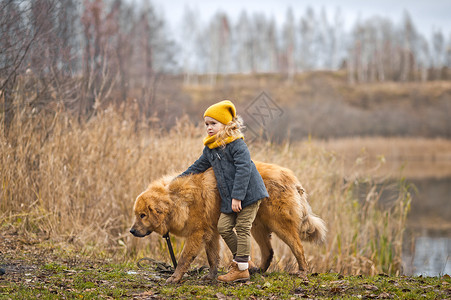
137 234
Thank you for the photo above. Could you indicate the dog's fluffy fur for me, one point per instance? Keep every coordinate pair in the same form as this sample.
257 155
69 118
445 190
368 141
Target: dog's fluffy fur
189 207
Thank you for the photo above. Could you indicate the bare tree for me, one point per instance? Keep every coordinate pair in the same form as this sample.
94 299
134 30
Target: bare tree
67 35
448 53
323 42
244 39
438 54
409 49
289 44
271 42
307 31
145 54
190 33
261 43
338 40
100 29
22 25
220 46
424 59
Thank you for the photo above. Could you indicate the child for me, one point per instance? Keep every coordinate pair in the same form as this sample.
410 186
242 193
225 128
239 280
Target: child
239 184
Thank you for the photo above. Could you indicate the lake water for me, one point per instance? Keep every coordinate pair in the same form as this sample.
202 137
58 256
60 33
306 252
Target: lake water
427 240
427 236
429 257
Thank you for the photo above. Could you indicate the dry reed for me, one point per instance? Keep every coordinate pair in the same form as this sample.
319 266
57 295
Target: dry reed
74 183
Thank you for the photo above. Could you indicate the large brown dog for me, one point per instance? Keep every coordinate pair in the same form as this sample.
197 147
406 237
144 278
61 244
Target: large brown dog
189 207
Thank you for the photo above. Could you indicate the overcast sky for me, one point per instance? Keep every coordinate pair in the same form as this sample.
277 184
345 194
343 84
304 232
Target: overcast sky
428 15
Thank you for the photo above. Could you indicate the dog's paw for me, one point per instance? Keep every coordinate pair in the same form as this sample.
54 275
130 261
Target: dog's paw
255 270
173 279
301 274
209 276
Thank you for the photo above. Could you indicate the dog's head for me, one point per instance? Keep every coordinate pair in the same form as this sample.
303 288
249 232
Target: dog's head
151 211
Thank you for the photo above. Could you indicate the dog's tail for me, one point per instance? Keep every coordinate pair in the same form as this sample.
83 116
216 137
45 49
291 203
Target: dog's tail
313 228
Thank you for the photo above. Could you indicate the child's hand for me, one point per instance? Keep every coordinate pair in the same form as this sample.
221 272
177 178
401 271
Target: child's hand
236 205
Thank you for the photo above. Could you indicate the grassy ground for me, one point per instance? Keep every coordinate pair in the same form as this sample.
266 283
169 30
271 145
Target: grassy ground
38 269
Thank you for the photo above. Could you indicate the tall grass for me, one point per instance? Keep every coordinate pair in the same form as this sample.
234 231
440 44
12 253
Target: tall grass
365 231
74 183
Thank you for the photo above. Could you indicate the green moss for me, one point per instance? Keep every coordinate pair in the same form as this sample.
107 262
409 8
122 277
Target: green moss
94 280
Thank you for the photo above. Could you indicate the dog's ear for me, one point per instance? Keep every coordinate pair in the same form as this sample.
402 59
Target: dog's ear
161 208
151 209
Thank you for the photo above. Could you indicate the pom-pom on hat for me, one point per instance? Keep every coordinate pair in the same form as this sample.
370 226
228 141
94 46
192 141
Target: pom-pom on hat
223 111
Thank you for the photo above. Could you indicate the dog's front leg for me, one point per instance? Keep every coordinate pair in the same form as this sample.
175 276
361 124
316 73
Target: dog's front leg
192 248
212 250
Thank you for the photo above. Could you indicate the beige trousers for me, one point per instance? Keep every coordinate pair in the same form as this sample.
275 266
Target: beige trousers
239 242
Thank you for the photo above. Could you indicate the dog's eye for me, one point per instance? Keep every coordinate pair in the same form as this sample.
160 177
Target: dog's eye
143 216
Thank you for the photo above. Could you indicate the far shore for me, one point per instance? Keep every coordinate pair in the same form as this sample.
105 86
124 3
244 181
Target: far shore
412 158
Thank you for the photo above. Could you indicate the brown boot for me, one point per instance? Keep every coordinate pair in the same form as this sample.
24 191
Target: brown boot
235 274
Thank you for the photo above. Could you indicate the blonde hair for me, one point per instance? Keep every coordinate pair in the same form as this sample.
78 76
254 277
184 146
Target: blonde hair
231 129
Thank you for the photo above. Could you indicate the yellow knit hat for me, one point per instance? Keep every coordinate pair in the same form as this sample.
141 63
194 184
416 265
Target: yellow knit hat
223 111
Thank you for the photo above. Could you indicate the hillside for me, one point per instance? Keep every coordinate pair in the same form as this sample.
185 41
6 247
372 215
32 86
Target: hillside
319 104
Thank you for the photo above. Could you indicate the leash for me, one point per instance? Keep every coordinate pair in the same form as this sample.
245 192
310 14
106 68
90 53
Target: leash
171 251
164 267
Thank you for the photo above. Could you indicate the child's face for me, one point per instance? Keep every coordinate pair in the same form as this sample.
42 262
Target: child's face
212 126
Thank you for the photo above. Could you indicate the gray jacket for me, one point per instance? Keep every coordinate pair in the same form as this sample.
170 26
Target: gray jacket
235 172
